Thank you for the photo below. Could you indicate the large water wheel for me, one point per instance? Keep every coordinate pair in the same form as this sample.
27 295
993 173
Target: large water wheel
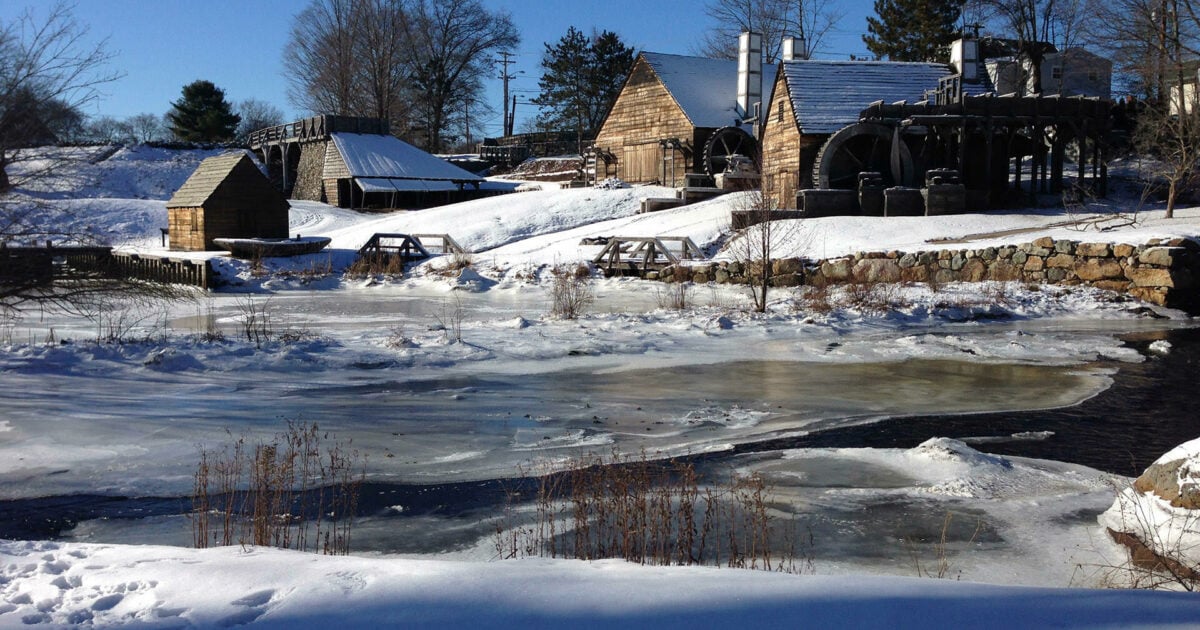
724 145
863 147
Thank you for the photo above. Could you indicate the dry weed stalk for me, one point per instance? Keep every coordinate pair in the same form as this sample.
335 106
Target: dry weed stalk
1160 556
571 291
675 296
375 265
299 491
941 566
649 512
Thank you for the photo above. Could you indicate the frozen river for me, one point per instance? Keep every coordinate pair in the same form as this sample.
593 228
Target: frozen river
438 417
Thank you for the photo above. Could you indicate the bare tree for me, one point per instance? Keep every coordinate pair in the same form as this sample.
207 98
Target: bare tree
450 45
809 20
418 63
1032 24
1172 140
1170 131
1138 35
145 127
105 129
1153 44
256 115
349 57
48 70
384 66
755 246
319 58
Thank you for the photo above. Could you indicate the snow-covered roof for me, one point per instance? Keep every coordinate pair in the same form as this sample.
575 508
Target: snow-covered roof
380 156
705 89
212 173
828 95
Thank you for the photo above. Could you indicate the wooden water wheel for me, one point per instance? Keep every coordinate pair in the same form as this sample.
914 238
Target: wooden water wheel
724 144
859 148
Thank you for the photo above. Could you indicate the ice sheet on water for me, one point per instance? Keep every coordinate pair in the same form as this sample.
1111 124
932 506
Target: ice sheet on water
543 439
733 417
881 510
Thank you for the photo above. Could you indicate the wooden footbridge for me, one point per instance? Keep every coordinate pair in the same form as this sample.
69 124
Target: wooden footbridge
636 255
409 247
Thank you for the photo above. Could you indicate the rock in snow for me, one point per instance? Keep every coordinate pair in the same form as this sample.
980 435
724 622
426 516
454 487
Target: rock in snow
1158 516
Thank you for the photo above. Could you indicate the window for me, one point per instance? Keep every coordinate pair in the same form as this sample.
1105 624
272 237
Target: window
779 113
1093 76
1056 72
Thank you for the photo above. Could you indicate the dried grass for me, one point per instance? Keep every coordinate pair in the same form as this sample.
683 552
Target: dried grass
298 491
653 513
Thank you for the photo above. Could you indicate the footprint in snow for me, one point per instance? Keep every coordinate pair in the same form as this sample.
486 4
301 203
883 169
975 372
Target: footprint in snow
256 606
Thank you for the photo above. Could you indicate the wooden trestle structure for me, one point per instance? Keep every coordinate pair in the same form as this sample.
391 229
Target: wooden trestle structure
986 139
627 255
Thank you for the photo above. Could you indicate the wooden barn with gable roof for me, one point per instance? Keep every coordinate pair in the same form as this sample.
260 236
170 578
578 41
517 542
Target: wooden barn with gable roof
226 197
677 114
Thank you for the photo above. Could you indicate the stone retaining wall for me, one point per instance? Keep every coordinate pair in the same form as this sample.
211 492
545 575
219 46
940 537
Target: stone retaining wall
1160 272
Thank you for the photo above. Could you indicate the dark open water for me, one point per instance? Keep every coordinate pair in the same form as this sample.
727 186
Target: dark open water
1151 407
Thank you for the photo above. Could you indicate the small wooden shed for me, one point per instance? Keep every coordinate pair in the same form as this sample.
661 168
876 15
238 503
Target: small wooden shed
226 197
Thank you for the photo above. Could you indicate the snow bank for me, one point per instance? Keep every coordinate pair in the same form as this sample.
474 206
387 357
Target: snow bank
169 587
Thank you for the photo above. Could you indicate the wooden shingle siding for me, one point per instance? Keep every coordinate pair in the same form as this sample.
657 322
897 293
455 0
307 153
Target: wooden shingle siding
335 164
643 114
781 148
332 195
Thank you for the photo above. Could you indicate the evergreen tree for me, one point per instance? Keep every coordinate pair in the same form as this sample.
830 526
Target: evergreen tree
202 114
581 78
913 30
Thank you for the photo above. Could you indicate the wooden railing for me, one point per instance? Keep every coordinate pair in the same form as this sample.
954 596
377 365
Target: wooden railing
43 265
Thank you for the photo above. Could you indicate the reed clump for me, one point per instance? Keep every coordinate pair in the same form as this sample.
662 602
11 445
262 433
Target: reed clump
652 513
297 491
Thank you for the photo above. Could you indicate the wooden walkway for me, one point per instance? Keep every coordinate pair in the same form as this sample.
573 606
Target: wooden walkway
636 255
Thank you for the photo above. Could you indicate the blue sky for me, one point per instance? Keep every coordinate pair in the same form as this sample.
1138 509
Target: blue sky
161 45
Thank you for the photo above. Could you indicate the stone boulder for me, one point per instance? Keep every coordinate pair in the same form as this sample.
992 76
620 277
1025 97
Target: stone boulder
1158 516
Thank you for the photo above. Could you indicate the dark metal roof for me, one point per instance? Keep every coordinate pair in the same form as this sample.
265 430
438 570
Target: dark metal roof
828 95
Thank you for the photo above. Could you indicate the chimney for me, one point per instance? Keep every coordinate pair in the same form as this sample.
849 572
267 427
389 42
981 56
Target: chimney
964 57
794 48
749 89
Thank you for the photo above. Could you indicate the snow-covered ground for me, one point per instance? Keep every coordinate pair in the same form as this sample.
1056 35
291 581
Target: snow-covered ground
440 377
169 587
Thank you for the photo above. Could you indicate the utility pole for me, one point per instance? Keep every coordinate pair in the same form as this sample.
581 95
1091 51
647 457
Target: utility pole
506 59
467 114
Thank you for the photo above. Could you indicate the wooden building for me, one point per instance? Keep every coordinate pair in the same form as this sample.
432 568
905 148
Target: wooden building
382 171
355 163
676 115
917 125
811 101
226 197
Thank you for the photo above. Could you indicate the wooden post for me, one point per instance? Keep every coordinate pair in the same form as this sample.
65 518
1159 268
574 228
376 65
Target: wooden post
987 162
1082 153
